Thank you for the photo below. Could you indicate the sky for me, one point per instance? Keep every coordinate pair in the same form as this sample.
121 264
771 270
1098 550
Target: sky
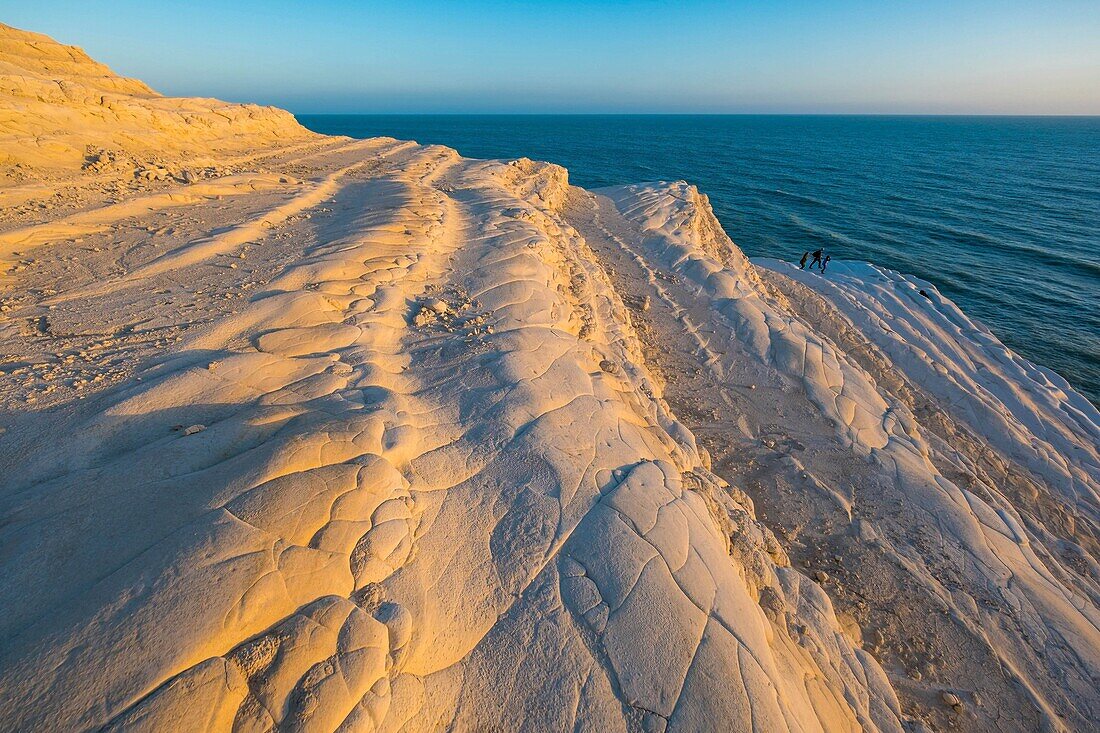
610 56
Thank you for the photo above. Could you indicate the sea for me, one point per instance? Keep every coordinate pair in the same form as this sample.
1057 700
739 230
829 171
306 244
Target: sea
1002 214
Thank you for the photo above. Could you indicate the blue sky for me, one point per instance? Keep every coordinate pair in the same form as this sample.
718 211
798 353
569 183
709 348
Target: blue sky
969 56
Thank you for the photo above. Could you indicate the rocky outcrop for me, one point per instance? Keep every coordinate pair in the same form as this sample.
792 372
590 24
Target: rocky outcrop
369 436
61 109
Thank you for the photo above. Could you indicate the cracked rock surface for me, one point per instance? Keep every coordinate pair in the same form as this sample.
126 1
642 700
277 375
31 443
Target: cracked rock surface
341 435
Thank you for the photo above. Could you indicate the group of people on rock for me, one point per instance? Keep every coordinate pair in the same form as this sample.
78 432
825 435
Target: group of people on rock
821 263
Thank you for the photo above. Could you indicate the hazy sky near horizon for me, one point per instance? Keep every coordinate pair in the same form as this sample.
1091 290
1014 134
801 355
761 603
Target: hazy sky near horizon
967 56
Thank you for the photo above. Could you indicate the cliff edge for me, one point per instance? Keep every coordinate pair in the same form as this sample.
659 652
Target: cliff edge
325 434
61 109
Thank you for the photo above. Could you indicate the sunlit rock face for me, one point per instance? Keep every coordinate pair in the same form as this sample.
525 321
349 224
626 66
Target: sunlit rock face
959 476
61 109
334 435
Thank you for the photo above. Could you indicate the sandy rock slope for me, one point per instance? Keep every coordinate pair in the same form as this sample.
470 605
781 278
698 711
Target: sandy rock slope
307 433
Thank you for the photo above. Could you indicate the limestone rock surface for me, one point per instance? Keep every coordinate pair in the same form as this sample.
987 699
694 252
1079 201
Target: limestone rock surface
342 435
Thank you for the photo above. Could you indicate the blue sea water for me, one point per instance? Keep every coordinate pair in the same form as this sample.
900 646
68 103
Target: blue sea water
1001 213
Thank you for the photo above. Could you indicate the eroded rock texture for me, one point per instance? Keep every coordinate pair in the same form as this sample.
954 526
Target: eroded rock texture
362 435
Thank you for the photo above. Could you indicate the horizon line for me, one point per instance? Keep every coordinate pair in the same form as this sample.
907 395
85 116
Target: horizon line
1052 115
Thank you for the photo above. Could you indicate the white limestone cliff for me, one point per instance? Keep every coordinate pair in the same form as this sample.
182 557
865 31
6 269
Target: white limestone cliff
364 435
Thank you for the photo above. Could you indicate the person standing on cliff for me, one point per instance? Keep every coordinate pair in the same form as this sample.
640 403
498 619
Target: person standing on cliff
817 259
825 262
802 262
